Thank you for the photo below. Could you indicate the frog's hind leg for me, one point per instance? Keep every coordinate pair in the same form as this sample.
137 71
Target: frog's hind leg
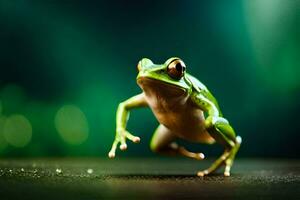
230 159
163 141
224 134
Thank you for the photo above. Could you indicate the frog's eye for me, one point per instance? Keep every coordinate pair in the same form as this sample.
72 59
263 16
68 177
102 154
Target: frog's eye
176 69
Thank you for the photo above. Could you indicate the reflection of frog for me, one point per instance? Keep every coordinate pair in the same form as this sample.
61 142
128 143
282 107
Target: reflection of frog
178 101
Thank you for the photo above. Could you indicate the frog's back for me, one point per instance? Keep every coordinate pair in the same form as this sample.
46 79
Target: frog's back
200 87
195 82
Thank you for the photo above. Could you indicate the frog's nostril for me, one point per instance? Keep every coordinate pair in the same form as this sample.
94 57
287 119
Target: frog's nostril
145 62
139 66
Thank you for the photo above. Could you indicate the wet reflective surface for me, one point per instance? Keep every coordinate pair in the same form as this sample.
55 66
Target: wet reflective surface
146 178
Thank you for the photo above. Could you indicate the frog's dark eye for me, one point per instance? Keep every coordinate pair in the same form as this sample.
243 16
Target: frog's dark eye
176 69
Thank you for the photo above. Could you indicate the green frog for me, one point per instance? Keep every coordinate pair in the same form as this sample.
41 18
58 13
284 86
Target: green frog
184 108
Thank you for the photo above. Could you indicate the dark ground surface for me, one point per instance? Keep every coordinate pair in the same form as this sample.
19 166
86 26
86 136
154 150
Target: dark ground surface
149 178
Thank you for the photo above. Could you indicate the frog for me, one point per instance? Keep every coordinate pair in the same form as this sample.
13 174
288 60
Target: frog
185 109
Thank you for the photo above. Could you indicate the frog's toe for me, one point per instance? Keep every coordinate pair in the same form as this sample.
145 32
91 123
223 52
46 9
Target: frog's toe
136 139
226 173
111 154
133 138
227 167
199 156
202 173
184 152
123 147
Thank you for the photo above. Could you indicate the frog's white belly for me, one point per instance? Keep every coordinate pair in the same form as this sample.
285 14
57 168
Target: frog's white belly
174 109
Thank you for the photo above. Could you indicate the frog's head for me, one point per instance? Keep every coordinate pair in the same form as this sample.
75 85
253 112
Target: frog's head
172 72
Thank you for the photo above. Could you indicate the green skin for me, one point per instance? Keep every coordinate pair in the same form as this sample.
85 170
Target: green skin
179 105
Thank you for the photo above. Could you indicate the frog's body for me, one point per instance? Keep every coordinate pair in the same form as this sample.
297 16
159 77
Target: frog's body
173 108
178 101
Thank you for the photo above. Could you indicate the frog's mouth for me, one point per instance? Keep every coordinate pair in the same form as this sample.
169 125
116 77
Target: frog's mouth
151 84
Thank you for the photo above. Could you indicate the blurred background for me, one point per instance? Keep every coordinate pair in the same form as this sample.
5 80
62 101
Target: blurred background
65 66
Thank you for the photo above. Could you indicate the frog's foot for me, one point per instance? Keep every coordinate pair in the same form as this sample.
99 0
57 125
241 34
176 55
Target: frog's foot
215 165
198 156
226 158
123 134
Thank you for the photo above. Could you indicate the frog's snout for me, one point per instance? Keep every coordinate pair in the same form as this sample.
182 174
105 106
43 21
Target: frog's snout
139 66
144 63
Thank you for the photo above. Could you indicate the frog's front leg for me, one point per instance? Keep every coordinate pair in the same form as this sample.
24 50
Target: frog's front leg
121 120
220 129
163 141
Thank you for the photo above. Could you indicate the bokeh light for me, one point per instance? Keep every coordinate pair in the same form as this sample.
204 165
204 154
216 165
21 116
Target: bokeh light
71 124
273 31
17 130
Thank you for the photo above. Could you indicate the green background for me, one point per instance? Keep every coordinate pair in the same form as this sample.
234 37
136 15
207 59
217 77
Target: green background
65 66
